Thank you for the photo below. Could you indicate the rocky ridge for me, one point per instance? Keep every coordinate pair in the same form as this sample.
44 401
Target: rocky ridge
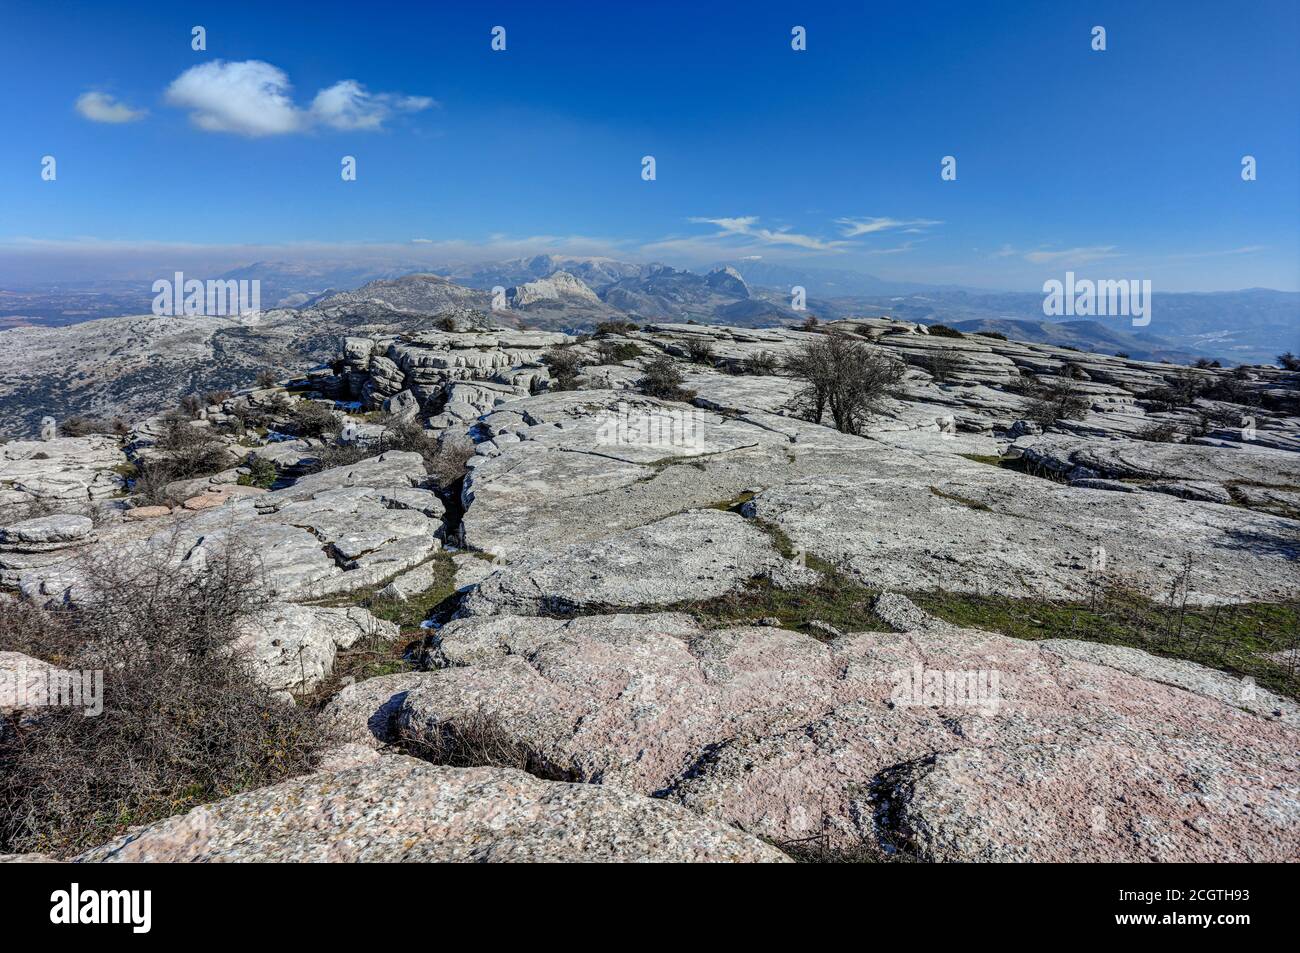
591 524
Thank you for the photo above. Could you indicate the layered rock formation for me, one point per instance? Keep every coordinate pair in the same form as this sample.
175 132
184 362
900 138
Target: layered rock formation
593 529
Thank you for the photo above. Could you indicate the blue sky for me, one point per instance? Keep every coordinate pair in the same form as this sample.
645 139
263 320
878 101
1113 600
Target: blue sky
1123 163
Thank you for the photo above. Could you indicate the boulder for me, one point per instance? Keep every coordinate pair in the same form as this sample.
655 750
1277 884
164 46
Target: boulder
398 809
693 556
291 648
925 740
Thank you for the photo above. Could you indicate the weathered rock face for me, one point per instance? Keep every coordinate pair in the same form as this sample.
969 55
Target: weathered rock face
587 515
65 469
291 648
399 809
696 555
330 532
555 287
41 543
430 367
1256 476
897 523
24 683
897 510
927 739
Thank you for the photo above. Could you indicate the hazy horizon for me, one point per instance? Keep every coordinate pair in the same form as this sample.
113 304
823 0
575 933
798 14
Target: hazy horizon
1117 163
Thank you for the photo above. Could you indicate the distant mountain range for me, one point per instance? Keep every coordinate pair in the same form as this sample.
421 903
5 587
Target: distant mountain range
575 293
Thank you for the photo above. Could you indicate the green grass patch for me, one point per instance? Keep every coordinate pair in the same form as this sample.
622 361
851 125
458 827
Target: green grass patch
964 501
733 505
1232 638
992 459
433 602
837 598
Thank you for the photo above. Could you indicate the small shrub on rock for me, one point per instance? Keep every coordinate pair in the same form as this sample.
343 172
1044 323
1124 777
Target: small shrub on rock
699 352
616 352
262 473
310 419
1163 431
185 451
764 363
941 366
846 377
183 721
615 327
564 364
662 379
1059 400
943 331
85 426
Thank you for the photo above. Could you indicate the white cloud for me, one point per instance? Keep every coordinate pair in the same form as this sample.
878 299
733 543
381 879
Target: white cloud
253 98
746 226
1073 255
347 105
1243 250
853 227
101 107
250 98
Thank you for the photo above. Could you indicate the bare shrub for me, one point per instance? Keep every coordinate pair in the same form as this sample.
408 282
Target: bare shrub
310 419
846 377
615 327
184 452
85 426
444 457
662 379
190 405
941 366
1181 390
699 352
1163 431
1289 361
565 364
764 363
265 414
183 721
447 465
478 740
267 378
616 352
1058 400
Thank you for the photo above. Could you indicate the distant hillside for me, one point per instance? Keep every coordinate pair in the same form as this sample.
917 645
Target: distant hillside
1089 335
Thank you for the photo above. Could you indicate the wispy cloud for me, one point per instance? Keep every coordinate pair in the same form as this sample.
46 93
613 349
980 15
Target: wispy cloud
747 226
853 227
101 107
253 98
896 250
1082 255
1243 250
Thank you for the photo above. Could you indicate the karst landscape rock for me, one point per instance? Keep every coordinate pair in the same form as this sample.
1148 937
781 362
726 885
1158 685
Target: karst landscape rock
702 626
